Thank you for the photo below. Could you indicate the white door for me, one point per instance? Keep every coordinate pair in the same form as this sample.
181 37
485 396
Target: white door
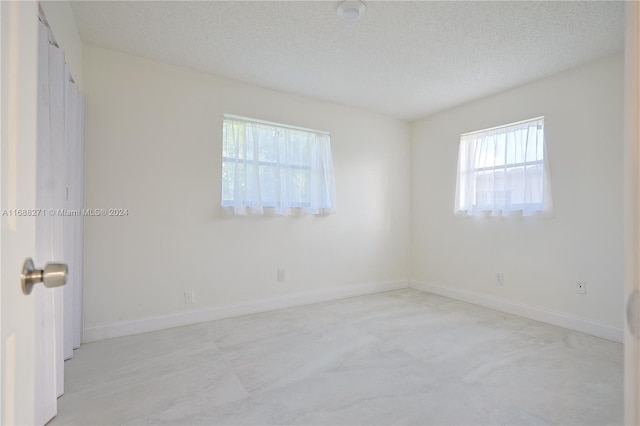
632 218
28 379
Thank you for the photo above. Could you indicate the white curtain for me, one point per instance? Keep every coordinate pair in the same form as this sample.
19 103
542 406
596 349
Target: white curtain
271 167
504 171
60 188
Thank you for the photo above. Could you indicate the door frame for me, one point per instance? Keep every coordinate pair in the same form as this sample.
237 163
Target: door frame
27 384
631 215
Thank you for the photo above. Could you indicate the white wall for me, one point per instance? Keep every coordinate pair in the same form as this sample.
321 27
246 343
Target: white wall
154 136
541 259
63 26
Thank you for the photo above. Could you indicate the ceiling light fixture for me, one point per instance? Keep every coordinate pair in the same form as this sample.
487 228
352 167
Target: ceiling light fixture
351 9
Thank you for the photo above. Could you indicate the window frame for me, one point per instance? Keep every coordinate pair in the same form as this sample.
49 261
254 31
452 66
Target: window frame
274 164
277 166
476 207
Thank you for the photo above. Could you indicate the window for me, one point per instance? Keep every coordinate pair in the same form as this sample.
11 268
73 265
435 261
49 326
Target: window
502 171
275 166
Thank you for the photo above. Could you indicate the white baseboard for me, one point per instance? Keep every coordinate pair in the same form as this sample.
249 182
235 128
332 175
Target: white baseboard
126 328
570 322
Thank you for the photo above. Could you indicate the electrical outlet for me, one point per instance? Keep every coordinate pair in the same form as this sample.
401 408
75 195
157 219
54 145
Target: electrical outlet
282 275
499 278
581 287
189 297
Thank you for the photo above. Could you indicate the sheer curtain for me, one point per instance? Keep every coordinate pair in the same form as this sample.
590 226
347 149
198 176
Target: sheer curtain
504 171
270 167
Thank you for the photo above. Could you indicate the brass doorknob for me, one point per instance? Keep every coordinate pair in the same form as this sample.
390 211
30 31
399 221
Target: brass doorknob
53 275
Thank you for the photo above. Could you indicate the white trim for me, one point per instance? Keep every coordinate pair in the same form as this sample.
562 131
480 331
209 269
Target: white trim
582 325
127 328
631 207
271 123
503 126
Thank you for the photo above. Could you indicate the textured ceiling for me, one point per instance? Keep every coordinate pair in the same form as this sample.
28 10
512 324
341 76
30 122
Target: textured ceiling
404 59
